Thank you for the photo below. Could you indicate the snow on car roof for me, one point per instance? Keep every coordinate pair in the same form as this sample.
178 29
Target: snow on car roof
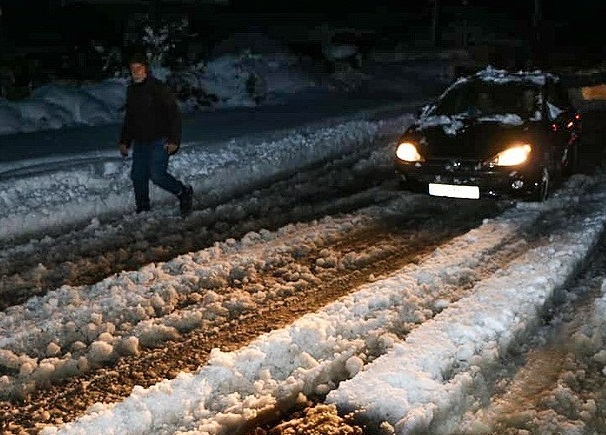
491 74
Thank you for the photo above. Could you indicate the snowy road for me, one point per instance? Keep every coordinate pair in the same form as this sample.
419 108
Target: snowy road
326 257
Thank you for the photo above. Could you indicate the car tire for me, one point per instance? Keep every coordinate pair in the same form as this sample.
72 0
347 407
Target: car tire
542 192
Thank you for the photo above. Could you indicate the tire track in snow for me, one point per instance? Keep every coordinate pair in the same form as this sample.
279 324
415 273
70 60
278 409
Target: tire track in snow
392 234
381 313
556 379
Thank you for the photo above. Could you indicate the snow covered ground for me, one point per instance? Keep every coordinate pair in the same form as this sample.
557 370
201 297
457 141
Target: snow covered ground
429 381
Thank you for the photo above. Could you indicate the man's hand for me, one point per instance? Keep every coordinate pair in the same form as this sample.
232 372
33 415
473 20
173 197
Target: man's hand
171 148
124 150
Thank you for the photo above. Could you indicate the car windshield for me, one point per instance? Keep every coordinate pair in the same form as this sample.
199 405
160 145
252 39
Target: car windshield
490 98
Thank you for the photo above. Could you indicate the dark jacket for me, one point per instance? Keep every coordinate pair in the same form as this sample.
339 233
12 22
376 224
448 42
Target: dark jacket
152 113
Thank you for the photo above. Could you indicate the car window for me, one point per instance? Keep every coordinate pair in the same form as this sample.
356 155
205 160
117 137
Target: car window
491 98
557 97
530 103
454 101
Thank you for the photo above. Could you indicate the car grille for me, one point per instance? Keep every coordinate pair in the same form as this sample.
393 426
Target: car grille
454 166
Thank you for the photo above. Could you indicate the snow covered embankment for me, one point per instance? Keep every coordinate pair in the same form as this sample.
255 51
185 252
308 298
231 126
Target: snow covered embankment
78 193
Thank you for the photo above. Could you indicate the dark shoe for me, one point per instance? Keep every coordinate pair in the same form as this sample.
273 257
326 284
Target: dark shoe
142 208
186 198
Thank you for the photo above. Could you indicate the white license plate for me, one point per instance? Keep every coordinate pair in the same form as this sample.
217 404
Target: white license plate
453 191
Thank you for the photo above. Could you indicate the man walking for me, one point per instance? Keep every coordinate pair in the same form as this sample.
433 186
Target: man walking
152 125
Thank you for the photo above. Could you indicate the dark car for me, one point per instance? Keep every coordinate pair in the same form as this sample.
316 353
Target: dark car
495 133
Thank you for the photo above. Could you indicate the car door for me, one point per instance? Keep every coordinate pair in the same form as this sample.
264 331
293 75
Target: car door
564 126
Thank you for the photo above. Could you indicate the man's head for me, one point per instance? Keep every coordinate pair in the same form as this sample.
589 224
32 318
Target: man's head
139 67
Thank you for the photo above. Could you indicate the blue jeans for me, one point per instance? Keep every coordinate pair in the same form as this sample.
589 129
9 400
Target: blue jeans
150 162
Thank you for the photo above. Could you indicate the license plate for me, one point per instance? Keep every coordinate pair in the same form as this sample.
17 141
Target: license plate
453 191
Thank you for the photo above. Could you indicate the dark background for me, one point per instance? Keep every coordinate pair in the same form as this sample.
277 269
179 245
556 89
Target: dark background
50 39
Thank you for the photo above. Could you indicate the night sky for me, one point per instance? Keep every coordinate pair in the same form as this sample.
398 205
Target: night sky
36 23
18 17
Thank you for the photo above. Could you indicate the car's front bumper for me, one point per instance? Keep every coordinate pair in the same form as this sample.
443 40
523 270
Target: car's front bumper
464 181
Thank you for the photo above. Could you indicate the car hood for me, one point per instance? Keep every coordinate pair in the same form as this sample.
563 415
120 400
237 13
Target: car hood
472 138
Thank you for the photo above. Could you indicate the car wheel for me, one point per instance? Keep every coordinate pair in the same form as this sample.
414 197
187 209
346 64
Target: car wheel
542 191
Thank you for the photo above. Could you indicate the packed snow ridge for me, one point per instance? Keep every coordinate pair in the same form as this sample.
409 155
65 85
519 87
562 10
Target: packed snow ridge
421 379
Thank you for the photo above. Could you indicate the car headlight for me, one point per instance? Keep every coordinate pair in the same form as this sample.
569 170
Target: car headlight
407 151
512 156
